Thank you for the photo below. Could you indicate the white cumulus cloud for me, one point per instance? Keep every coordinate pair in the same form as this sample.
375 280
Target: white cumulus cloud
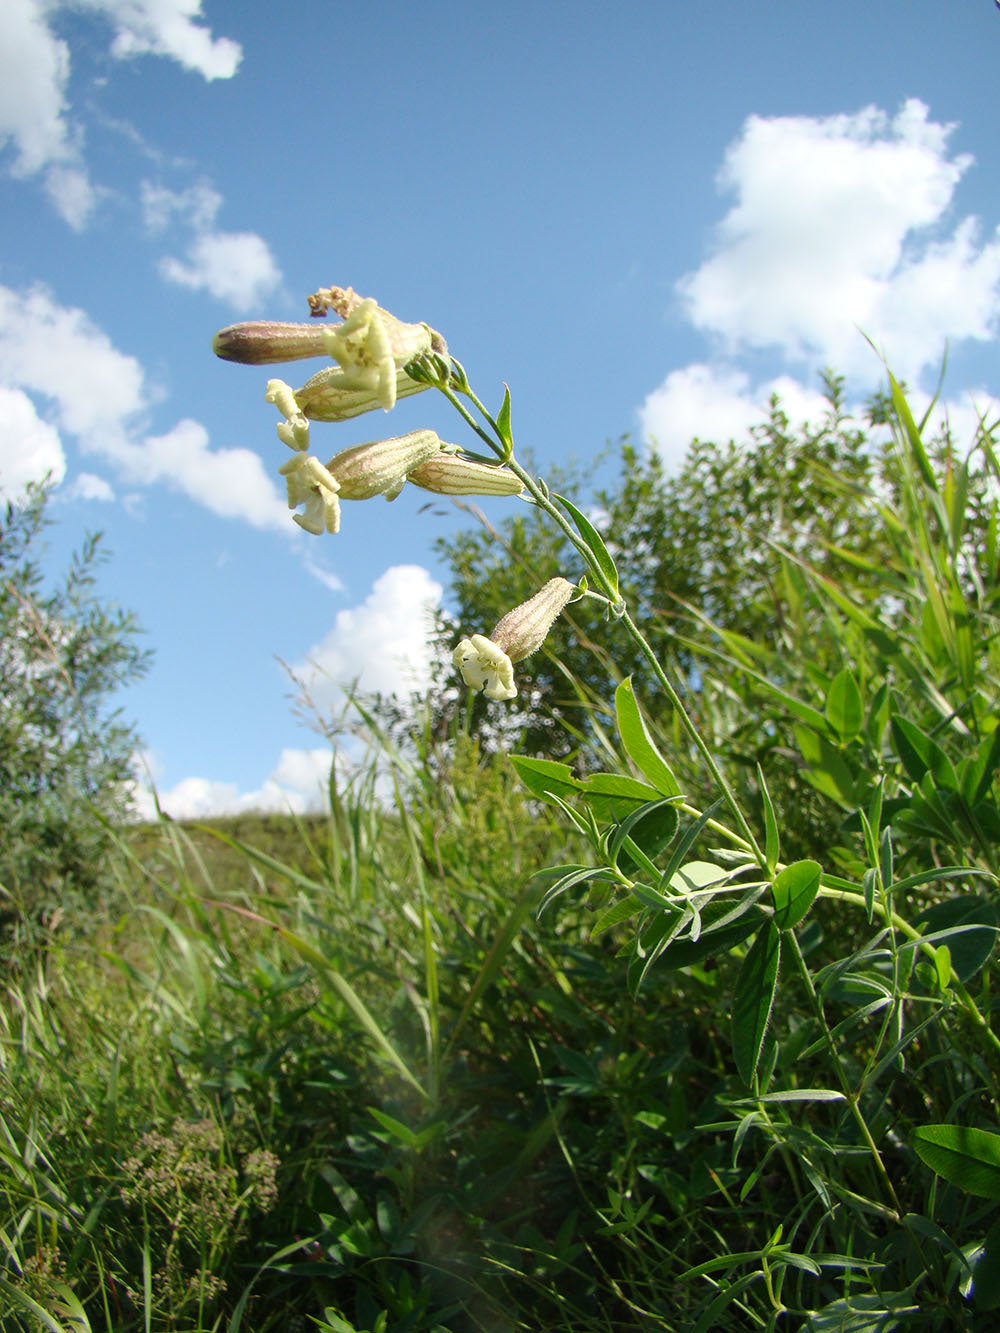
234 266
37 119
298 783
30 448
34 110
383 644
168 28
230 482
719 403
840 222
99 395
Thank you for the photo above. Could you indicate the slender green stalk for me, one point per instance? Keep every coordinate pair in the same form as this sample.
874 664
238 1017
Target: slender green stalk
892 918
540 496
849 1092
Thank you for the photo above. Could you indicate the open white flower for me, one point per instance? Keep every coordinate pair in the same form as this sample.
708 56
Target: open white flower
311 484
371 348
485 667
488 664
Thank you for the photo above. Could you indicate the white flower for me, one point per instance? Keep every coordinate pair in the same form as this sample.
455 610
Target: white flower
487 664
485 667
310 484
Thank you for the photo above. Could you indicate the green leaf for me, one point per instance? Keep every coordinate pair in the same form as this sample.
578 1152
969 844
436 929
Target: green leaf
772 837
594 542
962 1155
878 715
844 707
974 921
919 754
942 962
712 940
986 1272
651 829
639 745
826 768
545 778
503 422
793 1095
977 772
753 999
618 911
794 892
416 1140
909 426
614 796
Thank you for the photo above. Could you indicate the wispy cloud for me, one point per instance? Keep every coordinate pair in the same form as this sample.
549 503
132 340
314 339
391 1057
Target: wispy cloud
235 267
37 118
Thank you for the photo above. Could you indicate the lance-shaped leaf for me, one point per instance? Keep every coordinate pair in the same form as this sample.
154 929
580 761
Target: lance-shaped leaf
594 543
753 999
639 745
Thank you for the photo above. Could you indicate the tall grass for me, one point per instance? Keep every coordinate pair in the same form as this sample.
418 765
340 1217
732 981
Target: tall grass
337 1073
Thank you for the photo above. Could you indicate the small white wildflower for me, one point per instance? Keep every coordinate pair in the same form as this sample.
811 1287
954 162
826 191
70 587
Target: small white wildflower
487 664
485 667
310 484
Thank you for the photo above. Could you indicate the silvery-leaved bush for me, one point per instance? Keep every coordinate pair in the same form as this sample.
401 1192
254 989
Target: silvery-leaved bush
487 664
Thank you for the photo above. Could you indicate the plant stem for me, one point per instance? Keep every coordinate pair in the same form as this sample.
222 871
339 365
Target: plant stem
849 1093
541 498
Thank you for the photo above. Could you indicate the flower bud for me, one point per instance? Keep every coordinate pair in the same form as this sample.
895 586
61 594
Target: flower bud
328 396
446 474
381 466
523 630
264 342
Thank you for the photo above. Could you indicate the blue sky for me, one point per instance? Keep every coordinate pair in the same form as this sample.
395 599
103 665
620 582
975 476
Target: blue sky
642 221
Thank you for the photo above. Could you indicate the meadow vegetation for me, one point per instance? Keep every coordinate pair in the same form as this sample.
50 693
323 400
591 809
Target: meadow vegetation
659 999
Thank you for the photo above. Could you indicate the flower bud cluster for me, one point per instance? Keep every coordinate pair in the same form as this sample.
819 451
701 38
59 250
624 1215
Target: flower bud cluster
371 349
373 354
